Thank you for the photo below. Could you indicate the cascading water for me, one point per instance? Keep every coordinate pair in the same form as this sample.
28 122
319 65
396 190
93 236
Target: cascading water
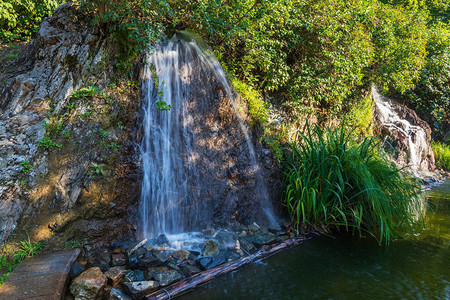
191 157
414 137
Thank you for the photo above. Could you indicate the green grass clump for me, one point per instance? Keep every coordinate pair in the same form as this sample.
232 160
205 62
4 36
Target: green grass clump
84 93
332 181
255 103
9 262
441 154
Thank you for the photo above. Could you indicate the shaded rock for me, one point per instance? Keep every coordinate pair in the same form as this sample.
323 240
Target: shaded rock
231 255
140 289
115 275
210 249
118 259
89 285
181 255
134 276
260 239
162 239
189 270
226 238
208 232
253 227
210 262
247 246
75 270
134 259
164 275
163 256
119 250
117 294
150 260
136 246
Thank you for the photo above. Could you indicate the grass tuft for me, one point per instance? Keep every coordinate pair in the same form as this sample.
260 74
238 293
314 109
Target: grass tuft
332 181
441 154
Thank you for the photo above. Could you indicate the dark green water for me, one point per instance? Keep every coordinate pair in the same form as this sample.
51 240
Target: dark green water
351 268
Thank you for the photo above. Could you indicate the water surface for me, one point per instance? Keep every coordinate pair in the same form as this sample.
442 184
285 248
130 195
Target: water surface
347 267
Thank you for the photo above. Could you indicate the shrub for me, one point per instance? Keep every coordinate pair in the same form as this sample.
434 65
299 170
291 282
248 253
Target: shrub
332 181
442 155
255 103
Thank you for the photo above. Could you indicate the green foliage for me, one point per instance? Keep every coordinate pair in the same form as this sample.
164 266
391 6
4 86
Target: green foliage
47 143
360 116
19 19
442 155
26 166
332 181
255 103
84 93
10 261
98 169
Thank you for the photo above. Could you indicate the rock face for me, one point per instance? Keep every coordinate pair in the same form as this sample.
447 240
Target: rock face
406 136
89 285
69 161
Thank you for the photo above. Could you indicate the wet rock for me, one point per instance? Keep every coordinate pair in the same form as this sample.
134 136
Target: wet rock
181 255
231 255
208 232
117 294
75 270
163 256
134 259
253 227
210 262
140 289
162 240
136 246
189 270
89 285
210 249
150 260
247 246
164 275
115 275
260 239
134 276
118 259
226 238
173 265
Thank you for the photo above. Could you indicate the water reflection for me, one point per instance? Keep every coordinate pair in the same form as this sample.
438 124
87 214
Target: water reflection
351 268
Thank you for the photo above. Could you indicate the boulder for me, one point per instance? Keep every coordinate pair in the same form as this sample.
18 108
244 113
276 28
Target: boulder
210 249
115 275
89 284
140 289
164 275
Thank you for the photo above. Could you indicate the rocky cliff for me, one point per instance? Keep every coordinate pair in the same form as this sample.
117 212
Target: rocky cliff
68 156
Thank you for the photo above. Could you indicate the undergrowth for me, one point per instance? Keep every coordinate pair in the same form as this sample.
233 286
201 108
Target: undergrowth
441 154
10 260
332 181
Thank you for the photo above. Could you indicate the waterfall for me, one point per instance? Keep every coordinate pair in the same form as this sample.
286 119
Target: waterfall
192 154
413 138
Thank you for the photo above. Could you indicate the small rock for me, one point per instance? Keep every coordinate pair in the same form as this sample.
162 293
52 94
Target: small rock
204 262
115 275
117 294
119 250
181 254
136 246
260 239
163 256
150 260
75 270
246 246
140 289
89 285
162 239
134 276
118 259
226 238
149 247
208 232
253 227
164 275
210 249
189 270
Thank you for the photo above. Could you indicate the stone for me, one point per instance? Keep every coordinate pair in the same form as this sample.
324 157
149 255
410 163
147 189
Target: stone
163 256
253 227
136 246
150 260
210 249
89 285
208 232
247 246
115 275
164 275
189 270
140 289
226 238
117 294
162 239
75 270
181 255
118 259
260 239
133 276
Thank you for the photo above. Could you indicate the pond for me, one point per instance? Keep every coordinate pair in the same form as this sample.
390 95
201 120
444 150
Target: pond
347 267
